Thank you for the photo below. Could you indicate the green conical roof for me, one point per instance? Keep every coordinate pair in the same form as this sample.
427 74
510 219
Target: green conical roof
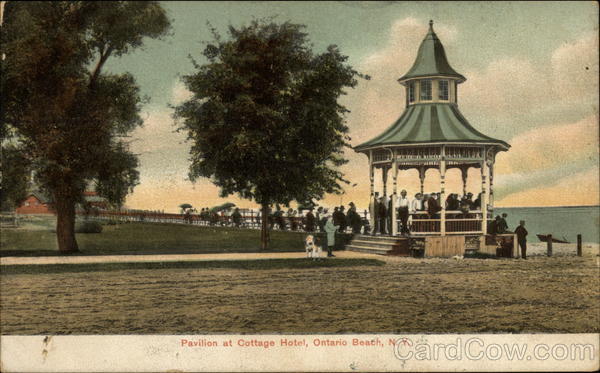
430 123
431 59
435 122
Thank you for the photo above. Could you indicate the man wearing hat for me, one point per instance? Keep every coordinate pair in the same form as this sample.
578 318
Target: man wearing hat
403 213
354 219
521 233
310 221
382 212
374 212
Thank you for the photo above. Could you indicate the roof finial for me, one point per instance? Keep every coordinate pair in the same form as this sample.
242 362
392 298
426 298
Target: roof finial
431 24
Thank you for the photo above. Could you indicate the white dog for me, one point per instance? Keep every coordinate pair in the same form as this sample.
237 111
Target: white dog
312 249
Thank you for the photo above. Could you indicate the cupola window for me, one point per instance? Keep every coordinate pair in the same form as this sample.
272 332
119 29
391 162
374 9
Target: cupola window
411 92
426 90
443 90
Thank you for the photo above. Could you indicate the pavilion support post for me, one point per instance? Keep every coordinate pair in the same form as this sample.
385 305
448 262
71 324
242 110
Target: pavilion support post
372 197
384 177
464 171
443 193
491 194
395 194
484 194
422 178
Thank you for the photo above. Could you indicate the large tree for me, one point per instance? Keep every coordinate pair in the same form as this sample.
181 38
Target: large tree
64 113
264 118
14 179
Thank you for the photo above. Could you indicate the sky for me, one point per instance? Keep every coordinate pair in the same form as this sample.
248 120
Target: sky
532 80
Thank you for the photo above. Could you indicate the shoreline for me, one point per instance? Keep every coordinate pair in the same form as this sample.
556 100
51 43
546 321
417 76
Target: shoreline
563 249
536 207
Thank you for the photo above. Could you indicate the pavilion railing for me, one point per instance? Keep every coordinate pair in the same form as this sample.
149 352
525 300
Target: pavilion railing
463 225
456 222
425 226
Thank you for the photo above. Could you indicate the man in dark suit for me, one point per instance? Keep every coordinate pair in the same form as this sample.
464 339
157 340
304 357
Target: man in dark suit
336 216
521 233
502 225
433 206
493 226
354 219
319 219
343 222
382 215
310 221
390 211
470 201
374 211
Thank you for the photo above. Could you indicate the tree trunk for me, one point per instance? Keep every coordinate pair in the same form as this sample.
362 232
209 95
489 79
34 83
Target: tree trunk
264 230
65 224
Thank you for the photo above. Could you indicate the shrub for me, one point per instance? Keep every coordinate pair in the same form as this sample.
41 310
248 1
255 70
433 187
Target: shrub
88 227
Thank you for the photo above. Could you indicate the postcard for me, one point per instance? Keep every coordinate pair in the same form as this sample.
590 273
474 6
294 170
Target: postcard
299 186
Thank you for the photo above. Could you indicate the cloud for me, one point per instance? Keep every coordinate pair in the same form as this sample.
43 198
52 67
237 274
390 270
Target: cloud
505 86
166 195
577 189
158 133
552 146
179 93
513 93
546 155
575 70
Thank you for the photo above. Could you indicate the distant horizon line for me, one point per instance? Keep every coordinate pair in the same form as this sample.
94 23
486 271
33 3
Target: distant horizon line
566 206
500 207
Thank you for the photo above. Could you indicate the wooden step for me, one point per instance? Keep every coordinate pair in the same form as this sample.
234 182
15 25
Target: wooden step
379 244
368 249
363 237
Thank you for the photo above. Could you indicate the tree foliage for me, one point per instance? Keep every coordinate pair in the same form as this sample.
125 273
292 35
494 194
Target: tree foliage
15 178
264 119
66 115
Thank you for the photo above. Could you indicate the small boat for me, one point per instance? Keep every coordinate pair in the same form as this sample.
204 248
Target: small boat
544 238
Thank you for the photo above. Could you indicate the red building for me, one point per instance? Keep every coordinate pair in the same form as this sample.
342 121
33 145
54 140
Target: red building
35 203
38 203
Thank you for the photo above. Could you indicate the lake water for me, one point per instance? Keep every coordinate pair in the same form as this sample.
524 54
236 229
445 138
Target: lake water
559 221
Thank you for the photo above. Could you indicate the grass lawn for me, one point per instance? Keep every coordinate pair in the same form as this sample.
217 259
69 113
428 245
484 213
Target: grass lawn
149 238
260 264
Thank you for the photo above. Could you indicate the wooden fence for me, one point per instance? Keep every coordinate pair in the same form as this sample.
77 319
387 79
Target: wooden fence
248 219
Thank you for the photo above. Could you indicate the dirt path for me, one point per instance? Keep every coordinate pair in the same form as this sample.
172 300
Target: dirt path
405 296
169 258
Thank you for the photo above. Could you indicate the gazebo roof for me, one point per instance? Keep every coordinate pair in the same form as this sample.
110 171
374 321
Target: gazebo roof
431 60
430 123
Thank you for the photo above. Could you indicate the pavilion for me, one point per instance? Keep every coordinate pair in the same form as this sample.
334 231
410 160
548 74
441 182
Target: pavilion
432 133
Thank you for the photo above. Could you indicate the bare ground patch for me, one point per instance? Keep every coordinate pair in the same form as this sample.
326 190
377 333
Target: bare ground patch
405 296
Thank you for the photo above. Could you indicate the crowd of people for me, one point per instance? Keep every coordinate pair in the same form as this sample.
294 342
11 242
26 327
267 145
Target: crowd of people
349 219
313 220
428 205
500 226
316 220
